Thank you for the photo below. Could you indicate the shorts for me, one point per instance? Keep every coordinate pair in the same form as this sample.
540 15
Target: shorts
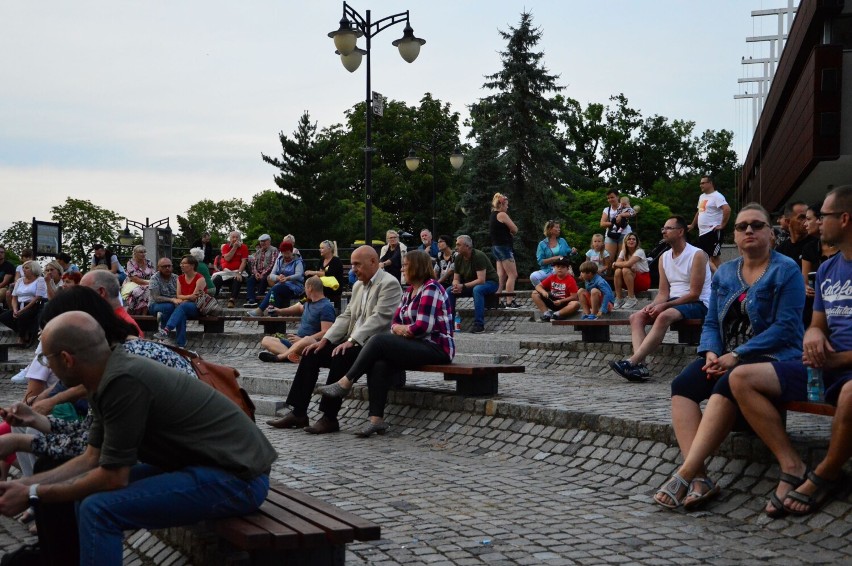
793 377
503 253
613 238
711 243
641 282
692 310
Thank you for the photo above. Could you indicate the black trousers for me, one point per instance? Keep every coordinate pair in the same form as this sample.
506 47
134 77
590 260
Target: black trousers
385 358
233 285
308 374
57 526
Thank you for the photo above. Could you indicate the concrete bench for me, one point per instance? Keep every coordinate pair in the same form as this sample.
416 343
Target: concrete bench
290 527
688 331
273 324
472 379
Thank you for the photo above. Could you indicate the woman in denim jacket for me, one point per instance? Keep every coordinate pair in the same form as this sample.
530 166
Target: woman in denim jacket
755 315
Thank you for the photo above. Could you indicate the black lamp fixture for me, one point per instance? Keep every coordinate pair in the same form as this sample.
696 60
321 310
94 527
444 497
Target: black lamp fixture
412 162
352 27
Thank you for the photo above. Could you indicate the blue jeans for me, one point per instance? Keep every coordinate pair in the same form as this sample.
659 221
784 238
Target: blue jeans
478 293
284 295
177 321
155 499
165 308
255 287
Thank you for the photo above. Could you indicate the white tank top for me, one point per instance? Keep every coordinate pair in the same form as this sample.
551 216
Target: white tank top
678 270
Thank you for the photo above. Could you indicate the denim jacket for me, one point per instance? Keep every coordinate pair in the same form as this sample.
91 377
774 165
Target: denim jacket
294 270
774 305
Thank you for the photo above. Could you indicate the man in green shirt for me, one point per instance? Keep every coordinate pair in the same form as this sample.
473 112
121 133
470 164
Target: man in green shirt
164 448
475 276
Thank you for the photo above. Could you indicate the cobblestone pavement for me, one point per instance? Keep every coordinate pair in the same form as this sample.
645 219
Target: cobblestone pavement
559 468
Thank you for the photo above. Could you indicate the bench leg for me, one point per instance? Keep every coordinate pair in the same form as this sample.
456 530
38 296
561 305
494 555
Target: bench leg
474 386
689 335
595 333
274 327
4 353
217 327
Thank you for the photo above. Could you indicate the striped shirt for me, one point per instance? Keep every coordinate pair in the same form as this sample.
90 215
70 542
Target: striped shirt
426 315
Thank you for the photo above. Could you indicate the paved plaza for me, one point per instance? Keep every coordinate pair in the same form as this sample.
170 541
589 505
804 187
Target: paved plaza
559 468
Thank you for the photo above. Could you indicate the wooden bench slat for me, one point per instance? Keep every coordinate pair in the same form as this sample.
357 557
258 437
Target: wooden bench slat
307 519
281 536
242 533
309 535
810 407
364 529
473 370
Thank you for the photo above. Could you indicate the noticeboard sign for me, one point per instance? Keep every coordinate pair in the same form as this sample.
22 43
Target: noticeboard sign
47 238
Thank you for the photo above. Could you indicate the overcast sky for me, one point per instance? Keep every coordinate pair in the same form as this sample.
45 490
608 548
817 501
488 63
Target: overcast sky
146 107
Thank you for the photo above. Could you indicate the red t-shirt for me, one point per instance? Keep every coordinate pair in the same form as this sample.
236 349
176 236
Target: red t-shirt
234 264
560 288
185 288
122 313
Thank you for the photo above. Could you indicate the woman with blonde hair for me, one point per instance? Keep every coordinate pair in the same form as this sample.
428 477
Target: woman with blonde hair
390 258
28 296
52 278
331 267
502 231
135 288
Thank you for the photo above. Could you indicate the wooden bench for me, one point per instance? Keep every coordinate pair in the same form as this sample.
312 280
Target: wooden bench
472 379
290 527
212 324
273 324
809 407
688 331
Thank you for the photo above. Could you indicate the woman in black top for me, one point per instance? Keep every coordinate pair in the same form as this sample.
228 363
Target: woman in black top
331 267
502 230
391 260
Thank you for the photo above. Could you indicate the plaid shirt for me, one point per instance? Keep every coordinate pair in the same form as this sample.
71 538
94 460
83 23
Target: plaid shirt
427 316
262 261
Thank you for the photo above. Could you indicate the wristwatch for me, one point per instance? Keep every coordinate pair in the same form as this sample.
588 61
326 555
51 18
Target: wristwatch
735 355
34 494
352 341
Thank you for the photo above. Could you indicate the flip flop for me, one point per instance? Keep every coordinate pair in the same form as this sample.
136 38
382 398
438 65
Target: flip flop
824 490
776 501
700 498
670 489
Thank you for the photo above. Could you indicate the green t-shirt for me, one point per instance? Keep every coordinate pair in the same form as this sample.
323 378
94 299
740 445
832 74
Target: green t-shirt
147 412
467 268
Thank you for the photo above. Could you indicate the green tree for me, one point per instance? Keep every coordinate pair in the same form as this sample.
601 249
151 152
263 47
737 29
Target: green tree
521 120
83 225
217 217
17 237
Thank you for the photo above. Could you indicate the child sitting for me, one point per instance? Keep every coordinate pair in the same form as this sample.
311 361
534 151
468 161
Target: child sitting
596 298
597 253
556 296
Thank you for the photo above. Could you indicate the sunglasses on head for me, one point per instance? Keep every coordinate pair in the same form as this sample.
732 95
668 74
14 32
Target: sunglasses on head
755 226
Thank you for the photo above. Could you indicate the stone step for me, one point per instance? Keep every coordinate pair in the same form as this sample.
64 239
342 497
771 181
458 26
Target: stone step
482 358
267 405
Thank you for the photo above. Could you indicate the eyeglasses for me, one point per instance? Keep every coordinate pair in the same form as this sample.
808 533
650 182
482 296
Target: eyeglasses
755 226
820 215
44 359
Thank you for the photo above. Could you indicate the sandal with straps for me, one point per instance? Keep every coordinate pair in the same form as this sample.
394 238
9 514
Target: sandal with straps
699 498
776 502
825 489
671 489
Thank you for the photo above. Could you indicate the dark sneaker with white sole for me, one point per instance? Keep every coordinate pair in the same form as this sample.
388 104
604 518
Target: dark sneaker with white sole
630 372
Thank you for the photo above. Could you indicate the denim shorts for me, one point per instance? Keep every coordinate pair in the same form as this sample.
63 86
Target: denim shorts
692 310
613 238
502 253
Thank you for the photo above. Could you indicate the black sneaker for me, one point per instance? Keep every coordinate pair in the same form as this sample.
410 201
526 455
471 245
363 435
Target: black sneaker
501 305
477 329
630 372
513 305
268 357
641 370
249 304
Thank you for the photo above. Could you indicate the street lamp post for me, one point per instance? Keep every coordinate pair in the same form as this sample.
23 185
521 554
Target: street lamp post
353 26
413 162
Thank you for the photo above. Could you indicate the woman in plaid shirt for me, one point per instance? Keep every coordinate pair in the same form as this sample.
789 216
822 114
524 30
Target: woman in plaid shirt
421 333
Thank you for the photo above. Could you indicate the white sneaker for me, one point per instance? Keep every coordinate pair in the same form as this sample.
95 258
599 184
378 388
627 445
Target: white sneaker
630 303
619 303
20 377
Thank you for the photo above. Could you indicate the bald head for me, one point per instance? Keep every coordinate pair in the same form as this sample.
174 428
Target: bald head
365 262
105 283
79 340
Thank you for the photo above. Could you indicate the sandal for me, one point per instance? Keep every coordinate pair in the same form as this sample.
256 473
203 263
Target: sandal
699 498
776 502
824 490
671 489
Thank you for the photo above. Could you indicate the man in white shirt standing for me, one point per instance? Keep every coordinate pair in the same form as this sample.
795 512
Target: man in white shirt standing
711 217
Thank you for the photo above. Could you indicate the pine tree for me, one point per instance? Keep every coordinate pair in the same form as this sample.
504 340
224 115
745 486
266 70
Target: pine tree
519 122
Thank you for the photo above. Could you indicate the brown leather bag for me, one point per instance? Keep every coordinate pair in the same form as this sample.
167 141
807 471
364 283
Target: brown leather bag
221 378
